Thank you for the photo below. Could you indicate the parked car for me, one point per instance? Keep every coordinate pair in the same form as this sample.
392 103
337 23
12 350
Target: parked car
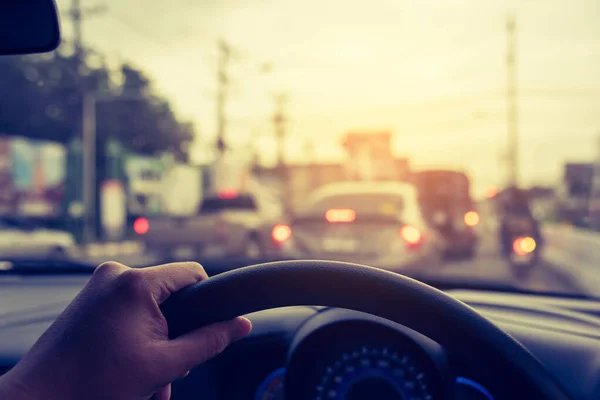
20 238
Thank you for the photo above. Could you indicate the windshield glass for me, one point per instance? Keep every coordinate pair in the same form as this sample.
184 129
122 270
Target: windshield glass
217 204
361 203
114 146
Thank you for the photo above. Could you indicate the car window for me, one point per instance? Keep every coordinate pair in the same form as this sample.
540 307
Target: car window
141 117
367 205
217 204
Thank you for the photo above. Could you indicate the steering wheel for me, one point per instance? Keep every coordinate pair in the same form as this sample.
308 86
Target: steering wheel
388 295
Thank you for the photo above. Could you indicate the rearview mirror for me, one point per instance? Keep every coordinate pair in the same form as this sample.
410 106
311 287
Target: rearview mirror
28 26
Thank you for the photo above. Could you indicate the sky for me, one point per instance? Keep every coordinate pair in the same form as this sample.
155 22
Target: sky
433 72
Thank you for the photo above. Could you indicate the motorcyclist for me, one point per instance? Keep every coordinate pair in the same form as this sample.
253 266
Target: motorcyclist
516 219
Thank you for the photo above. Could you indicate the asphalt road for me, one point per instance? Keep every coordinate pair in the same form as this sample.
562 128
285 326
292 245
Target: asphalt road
487 267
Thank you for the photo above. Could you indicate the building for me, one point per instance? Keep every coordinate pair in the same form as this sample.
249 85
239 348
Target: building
369 157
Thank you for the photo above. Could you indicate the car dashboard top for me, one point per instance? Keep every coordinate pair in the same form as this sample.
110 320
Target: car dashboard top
564 334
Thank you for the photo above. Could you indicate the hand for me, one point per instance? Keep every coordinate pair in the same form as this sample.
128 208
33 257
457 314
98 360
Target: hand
112 341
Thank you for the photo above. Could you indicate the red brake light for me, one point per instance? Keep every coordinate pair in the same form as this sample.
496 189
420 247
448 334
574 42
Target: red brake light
227 194
411 235
340 215
141 226
471 218
524 245
281 233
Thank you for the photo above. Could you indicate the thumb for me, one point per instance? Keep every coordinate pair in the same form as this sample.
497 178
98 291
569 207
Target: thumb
164 393
203 344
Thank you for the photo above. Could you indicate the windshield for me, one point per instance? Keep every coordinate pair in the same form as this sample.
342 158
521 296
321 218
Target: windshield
114 146
217 204
361 203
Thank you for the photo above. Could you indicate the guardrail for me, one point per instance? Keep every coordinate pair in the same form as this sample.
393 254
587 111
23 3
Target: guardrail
576 252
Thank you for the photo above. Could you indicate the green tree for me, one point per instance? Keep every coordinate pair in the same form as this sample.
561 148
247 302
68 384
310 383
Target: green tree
41 98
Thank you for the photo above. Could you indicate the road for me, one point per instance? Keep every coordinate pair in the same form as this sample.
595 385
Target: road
487 267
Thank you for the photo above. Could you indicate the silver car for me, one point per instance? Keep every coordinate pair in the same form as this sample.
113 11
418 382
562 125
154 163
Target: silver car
375 223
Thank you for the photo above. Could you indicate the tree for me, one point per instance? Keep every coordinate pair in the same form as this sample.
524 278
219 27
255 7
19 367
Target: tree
42 100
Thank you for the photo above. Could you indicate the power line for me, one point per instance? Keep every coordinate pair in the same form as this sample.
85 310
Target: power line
125 22
77 13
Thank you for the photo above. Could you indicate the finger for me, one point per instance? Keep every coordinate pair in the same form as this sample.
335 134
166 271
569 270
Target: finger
203 344
164 280
110 269
164 393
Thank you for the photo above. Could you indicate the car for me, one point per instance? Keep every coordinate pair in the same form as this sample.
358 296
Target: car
376 223
444 196
322 329
227 223
22 238
388 334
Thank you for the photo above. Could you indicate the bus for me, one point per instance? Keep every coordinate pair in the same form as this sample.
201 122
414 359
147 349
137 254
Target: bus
447 206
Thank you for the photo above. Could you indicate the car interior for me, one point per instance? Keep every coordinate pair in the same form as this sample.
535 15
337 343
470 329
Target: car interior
335 330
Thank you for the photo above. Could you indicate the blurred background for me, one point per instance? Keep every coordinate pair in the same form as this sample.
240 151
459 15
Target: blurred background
150 114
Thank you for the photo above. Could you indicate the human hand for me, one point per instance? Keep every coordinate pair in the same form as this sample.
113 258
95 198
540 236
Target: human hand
112 341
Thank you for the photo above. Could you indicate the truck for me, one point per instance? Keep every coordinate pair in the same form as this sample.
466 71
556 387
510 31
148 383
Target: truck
225 224
234 218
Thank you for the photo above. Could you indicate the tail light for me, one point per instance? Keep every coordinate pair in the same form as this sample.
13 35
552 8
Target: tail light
227 194
411 235
471 218
340 215
524 245
141 226
281 233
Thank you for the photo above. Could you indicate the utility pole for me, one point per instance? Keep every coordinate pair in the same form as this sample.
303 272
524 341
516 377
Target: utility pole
87 123
223 80
76 14
89 165
76 19
279 121
511 102
594 201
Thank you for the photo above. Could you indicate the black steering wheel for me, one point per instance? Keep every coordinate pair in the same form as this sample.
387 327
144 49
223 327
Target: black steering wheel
366 289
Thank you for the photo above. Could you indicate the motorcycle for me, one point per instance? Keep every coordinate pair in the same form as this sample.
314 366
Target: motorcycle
523 254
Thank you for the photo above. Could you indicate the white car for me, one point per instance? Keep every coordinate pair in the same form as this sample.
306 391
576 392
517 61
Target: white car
374 223
23 240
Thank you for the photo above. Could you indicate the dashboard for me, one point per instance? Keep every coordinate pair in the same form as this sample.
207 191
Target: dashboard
360 356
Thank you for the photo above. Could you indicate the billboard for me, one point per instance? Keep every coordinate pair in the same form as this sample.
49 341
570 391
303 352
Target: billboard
32 177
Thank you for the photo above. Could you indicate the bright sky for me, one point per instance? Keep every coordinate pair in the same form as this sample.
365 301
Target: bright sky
432 71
